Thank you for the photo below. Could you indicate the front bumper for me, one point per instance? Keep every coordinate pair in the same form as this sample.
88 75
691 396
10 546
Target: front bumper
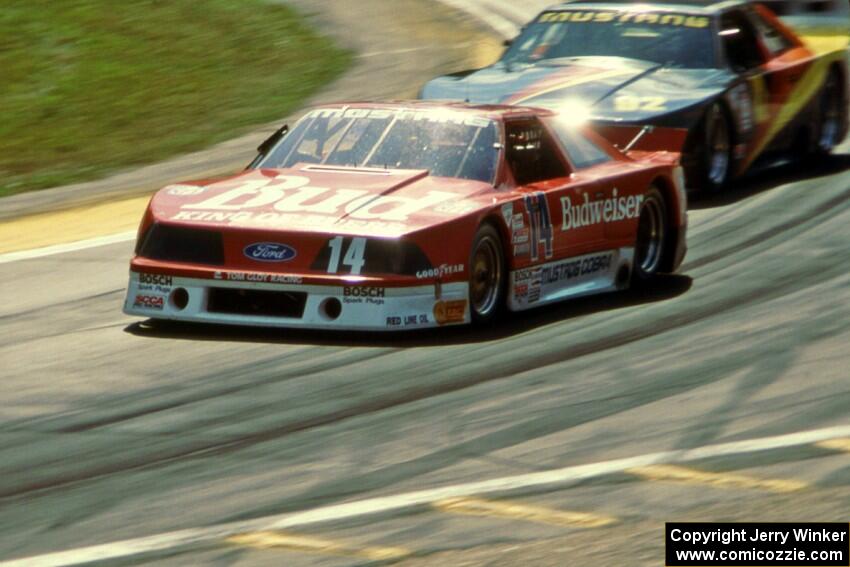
347 306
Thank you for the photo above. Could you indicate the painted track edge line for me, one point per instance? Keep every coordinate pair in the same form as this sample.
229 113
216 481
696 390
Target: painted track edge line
336 512
67 247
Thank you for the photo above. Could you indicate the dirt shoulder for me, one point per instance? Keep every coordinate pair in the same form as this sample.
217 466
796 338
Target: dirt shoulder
399 45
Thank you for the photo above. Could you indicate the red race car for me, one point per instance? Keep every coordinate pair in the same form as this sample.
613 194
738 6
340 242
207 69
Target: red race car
408 216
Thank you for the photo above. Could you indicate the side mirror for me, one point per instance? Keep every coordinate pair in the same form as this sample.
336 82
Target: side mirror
510 42
272 140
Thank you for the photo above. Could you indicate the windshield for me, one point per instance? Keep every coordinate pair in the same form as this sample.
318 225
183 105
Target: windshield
677 40
447 143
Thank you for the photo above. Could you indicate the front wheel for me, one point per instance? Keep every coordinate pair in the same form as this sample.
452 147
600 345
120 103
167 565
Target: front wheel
486 275
714 152
651 241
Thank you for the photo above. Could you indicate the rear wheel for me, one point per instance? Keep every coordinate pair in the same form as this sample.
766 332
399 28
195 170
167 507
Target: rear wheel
486 275
651 241
831 116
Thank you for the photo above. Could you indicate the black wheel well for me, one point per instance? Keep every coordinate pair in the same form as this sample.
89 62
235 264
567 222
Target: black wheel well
696 140
700 124
843 81
727 113
668 193
837 69
499 226
492 220
807 132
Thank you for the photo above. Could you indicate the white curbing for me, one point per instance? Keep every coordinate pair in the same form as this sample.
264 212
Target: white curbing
64 248
412 500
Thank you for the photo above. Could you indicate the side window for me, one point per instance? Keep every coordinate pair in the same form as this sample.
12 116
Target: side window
581 151
532 154
740 42
773 39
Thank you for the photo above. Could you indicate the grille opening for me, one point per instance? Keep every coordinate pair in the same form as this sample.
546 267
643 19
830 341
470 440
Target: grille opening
181 244
260 303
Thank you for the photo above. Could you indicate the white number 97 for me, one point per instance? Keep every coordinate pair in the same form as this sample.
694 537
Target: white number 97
355 258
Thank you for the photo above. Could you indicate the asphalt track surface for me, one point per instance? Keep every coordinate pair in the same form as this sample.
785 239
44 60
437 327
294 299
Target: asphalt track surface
112 429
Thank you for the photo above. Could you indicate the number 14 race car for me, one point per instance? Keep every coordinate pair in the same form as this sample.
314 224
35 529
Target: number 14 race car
409 216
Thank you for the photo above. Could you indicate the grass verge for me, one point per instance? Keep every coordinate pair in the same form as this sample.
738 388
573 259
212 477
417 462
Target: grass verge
91 86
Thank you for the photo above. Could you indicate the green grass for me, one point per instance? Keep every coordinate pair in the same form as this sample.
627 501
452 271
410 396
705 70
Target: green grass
91 86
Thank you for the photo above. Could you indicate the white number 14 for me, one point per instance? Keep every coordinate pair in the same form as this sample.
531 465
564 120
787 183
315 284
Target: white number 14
354 258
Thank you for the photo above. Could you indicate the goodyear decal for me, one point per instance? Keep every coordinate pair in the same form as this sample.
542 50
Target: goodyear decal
605 17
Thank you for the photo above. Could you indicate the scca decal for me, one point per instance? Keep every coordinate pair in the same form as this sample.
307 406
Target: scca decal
615 209
527 284
149 302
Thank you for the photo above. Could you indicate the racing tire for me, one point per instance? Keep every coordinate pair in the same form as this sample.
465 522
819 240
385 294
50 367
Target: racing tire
487 276
830 118
652 238
715 152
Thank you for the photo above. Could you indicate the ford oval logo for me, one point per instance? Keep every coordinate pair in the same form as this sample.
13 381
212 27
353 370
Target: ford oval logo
270 252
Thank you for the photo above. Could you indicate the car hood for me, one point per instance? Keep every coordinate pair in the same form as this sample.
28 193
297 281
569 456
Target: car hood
319 199
605 88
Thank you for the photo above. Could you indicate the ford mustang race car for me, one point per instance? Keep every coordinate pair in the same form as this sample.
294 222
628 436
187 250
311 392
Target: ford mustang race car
743 84
408 216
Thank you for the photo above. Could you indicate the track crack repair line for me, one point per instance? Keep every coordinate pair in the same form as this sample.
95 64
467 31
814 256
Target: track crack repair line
519 511
684 475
